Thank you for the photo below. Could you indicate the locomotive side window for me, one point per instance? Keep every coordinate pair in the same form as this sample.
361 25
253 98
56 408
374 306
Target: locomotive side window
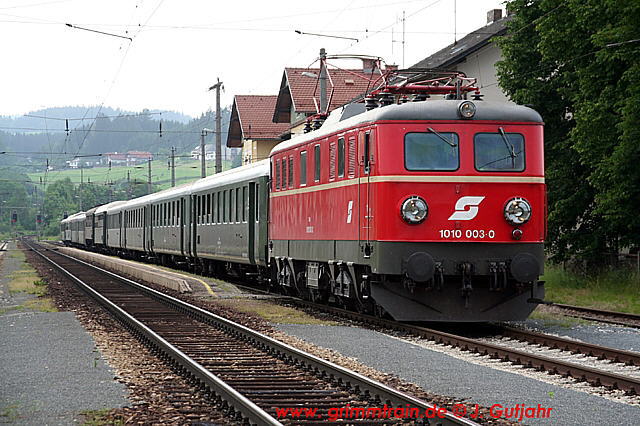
291 171
284 173
341 147
431 151
303 168
278 174
316 158
351 171
332 161
499 152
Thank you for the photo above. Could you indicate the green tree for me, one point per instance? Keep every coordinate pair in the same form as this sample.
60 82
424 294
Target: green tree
577 63
60 199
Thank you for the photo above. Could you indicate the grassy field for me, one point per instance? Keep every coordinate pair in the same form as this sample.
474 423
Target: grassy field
186 170
617 290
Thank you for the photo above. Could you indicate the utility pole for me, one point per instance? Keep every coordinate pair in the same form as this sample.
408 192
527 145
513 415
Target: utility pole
149 184
203 166
81 182
323 81
403 35
128 184
218 86
173 166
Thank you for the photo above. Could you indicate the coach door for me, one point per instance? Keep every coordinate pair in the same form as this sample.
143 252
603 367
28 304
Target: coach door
365 215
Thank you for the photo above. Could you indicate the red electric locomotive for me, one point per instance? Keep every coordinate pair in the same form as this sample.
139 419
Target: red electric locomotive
428 210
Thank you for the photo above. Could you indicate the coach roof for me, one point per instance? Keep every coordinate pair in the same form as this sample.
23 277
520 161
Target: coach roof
413 111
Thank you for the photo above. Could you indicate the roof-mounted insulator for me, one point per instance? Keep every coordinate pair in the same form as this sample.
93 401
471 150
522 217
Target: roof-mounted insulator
477 96
450 96
370 103
420 97
307 127
317 123
404 99
386 99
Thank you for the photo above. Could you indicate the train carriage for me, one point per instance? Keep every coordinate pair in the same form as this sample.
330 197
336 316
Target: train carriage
229 221
434 214
76 223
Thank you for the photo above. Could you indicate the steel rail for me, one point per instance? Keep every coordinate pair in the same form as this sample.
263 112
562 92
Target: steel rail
599 315
362 384
248 409
589 349
592 376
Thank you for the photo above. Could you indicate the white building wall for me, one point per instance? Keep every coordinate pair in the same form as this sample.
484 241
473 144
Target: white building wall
481 65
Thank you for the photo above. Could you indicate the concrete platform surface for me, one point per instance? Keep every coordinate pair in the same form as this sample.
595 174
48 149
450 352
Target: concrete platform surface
50 370
443 374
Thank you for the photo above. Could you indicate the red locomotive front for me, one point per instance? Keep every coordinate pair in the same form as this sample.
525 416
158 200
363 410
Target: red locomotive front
431 210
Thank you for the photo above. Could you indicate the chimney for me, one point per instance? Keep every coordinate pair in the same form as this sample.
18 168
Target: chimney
494 15
368 65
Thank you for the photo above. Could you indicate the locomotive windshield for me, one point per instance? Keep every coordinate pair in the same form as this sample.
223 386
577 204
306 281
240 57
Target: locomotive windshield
431 151
499 152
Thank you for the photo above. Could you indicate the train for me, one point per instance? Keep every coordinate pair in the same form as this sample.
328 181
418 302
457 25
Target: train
418 210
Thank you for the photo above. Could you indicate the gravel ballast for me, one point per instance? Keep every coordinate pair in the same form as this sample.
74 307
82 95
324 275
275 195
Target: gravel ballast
444 374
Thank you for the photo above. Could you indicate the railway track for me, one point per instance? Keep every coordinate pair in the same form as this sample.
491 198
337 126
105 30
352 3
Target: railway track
246 372
599 315
593 376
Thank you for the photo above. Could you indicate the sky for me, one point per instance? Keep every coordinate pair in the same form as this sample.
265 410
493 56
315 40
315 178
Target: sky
179 48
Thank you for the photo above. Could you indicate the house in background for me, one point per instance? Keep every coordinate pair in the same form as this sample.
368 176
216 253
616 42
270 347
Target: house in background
130 158
475 55
209 152
251 127
299 94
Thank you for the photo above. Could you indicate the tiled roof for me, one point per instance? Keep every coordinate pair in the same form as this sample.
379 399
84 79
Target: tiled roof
299 90
251 119
456 52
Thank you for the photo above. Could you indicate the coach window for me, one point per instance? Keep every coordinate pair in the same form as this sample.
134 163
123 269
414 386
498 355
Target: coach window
238 204
303 168
224 206
244 203
232 202
499 152
341 147
277 174
218 204
431 151
316 159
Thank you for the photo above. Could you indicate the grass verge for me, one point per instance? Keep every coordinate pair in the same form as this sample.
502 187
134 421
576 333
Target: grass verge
616 290
272 312
100 418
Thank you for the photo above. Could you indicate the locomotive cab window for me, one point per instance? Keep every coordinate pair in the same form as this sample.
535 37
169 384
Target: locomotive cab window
499 152
431 151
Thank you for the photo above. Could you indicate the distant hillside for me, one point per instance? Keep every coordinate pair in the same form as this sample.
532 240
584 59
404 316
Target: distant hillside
55 117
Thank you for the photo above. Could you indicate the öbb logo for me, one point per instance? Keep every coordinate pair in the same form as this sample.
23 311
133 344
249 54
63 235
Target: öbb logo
466 208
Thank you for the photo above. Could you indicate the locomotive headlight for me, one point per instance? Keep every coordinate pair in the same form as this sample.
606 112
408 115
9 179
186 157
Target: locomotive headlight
517 211
414 210
467 109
